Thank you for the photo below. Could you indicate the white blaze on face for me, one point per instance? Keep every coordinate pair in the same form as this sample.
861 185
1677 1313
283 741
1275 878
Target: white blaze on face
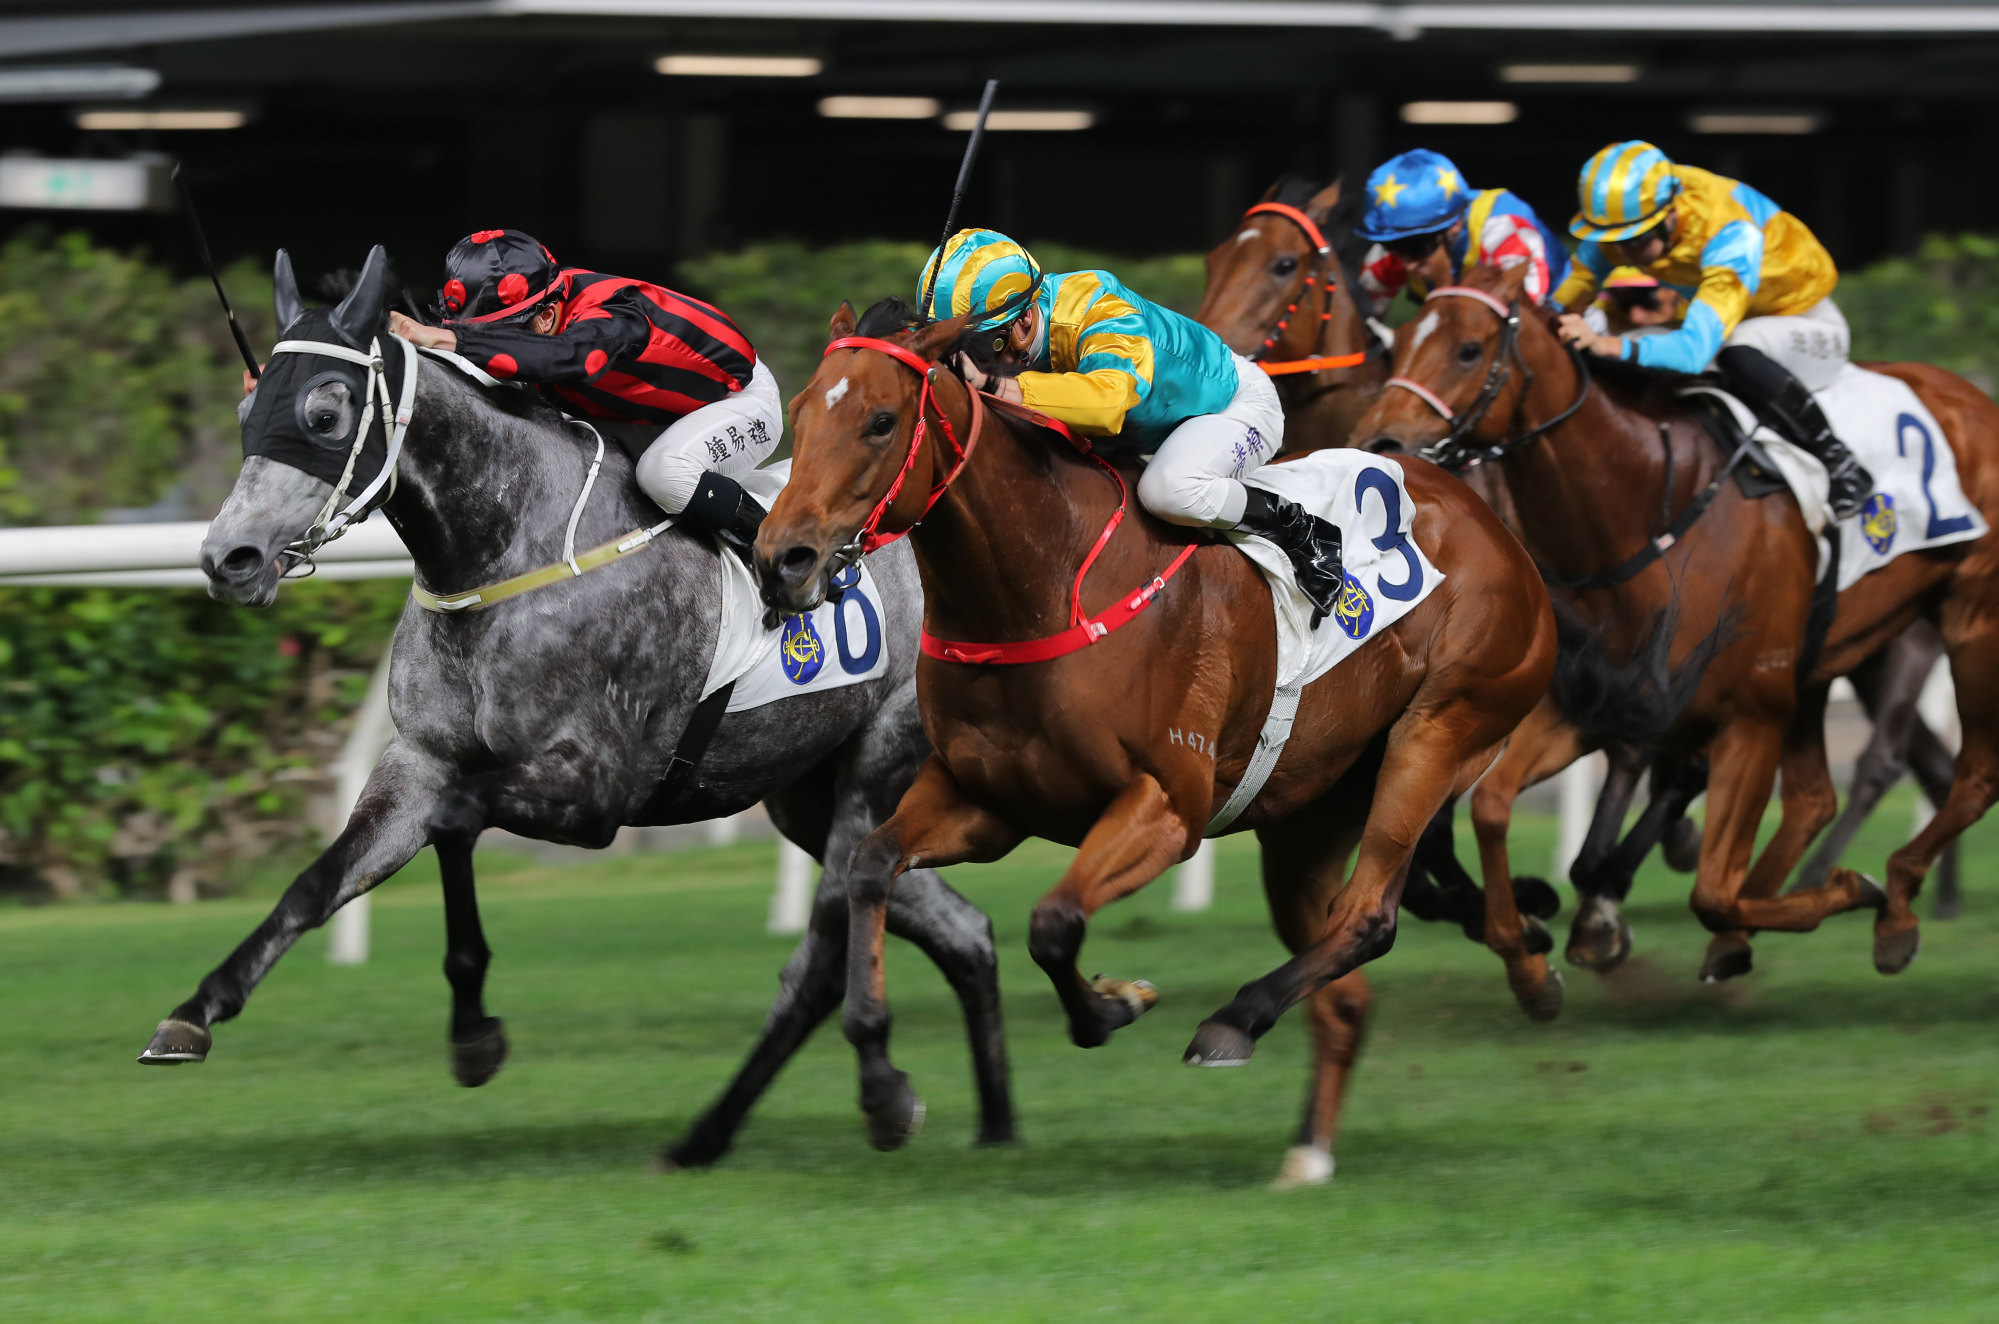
838 391
1423 330
1247 235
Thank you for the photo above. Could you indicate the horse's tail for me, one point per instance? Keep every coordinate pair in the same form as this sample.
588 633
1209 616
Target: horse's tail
1636 701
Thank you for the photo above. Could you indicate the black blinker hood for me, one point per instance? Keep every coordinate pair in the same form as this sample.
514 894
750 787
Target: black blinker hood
273 428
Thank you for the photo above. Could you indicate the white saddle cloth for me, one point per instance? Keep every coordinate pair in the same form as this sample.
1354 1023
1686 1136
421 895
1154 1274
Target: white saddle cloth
1387 574
1918 501
841 643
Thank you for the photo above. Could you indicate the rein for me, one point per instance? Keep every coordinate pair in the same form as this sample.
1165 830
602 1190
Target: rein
332 521
1082 630
1451 452
1321 259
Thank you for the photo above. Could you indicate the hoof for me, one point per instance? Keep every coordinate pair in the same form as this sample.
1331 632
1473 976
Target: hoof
477 1060
893 1122
1544 1004
1599 938
1895 945
1137 996
1539 941
1682 846
1304 1165
1219 1045
1116 1004
690 1155
1729 956
1534 896
176 1042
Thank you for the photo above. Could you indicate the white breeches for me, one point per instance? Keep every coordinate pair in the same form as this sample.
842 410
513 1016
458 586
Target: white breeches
1813 344
729 437
1194 478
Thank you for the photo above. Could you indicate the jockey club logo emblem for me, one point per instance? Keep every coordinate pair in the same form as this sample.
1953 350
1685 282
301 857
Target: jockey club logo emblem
1355 609
801 650
1878 523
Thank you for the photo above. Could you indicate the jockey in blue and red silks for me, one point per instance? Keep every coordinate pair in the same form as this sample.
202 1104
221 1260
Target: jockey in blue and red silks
1430 228
621 350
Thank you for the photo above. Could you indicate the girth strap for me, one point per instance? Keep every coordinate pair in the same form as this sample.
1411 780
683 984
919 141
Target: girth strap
700 729
1270 744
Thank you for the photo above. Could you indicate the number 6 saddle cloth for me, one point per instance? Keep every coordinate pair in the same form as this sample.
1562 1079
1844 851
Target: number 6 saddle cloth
843 642
1386 574
1917 502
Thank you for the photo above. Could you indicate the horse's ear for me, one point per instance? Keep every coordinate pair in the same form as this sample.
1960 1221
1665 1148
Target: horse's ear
934 340
359 315
1322 203
285 298
1270 194
1513 281
844 321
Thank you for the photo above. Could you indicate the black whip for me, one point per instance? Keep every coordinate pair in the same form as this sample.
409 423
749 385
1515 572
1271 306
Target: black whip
958 193
208 260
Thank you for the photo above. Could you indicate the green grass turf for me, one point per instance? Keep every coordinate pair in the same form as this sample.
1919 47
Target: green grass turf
1811 1143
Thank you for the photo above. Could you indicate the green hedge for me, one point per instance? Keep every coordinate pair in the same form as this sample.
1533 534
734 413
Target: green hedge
145 735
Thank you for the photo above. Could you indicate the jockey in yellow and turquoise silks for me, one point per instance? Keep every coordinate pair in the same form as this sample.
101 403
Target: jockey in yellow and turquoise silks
1759 286
1430 227
1081 348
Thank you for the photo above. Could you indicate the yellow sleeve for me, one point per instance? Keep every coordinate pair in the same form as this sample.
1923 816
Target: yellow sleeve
1577 289
1090 402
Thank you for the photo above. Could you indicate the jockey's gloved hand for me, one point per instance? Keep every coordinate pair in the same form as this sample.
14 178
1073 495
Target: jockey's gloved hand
974 377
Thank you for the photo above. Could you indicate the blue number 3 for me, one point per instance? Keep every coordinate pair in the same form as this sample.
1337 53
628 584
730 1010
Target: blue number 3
1938 527
1390 539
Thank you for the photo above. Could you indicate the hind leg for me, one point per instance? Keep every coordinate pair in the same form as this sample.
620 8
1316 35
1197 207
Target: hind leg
1599 939
1139 835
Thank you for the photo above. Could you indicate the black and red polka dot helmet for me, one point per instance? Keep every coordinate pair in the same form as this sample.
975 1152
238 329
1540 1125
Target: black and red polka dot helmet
497 276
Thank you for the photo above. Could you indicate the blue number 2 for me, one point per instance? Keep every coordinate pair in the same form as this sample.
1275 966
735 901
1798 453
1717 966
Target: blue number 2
1938 527
1390 539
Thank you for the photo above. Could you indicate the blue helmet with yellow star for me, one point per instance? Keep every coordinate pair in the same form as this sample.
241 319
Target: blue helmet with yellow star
1418 192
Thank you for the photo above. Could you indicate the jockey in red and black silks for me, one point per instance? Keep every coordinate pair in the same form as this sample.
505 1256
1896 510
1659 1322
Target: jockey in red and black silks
621 350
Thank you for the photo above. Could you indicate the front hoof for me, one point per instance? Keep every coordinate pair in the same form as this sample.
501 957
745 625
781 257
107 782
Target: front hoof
1304 1165
477 1060
1599 938
690 1155
1682 846
895 1119
1895 944
1219 1045
1729 956
1536 897
1544 1004
175 1042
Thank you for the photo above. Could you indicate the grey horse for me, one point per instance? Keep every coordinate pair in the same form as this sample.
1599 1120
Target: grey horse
556 714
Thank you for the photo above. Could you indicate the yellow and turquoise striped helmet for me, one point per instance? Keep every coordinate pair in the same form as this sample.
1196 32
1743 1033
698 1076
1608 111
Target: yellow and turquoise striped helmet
1622 192
982 269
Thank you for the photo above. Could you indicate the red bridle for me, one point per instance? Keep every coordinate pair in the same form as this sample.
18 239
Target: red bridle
1322 252
1083 630
870 536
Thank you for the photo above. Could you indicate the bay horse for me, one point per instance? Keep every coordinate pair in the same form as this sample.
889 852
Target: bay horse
557 714
1599 456
1124 742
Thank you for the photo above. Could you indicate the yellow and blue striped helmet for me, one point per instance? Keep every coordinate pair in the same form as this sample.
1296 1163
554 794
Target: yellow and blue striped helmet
1623 191
982 269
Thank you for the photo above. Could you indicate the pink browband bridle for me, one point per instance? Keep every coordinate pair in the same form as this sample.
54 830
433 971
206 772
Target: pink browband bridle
1424 393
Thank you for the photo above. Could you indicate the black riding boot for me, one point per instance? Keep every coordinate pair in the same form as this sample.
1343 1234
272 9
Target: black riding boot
1781 400
1313 544
720 506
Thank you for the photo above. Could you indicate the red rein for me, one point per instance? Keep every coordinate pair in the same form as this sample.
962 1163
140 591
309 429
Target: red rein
1083 630
1284 367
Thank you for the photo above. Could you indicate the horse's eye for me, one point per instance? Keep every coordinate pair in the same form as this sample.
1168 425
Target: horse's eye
322 420
881 424
1470 352
1284 266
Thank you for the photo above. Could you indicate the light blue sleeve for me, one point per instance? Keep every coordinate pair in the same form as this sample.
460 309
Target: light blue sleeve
1759 207
1689 349
1739 247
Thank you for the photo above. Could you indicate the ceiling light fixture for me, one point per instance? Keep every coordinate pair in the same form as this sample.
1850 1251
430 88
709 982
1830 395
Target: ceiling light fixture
879 108
1568 73
131 121
1028 121
77 82
1460 112
1793 122
740 66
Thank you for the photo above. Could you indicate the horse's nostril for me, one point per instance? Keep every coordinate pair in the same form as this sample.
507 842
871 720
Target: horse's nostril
797 562
1385 446
242 562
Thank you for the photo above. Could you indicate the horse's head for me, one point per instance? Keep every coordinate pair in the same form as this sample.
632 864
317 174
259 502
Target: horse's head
1459 377
858 461
1264 288
310 434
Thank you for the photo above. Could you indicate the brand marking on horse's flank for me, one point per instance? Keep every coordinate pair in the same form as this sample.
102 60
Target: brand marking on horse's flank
836 393
1193 740
1423 330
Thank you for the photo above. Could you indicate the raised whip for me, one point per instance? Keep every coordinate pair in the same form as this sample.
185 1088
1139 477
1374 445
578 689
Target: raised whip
208 260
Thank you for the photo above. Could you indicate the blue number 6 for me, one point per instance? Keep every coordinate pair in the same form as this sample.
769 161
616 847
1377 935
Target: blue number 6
1390 539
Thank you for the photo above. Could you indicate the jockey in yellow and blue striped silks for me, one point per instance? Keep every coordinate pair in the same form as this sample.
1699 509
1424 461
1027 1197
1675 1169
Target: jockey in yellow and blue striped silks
1111 364
1758 282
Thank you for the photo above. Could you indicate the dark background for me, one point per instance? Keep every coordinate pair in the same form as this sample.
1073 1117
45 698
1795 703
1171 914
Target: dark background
368 127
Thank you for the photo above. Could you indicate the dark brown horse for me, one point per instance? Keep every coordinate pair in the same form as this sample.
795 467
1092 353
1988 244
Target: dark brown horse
1596 473
1128 747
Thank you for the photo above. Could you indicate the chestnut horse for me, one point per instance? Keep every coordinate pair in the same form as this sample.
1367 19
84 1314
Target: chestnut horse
1595 474
1127 747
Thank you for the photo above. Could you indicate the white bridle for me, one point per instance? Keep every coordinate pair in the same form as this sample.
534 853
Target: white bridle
332 520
